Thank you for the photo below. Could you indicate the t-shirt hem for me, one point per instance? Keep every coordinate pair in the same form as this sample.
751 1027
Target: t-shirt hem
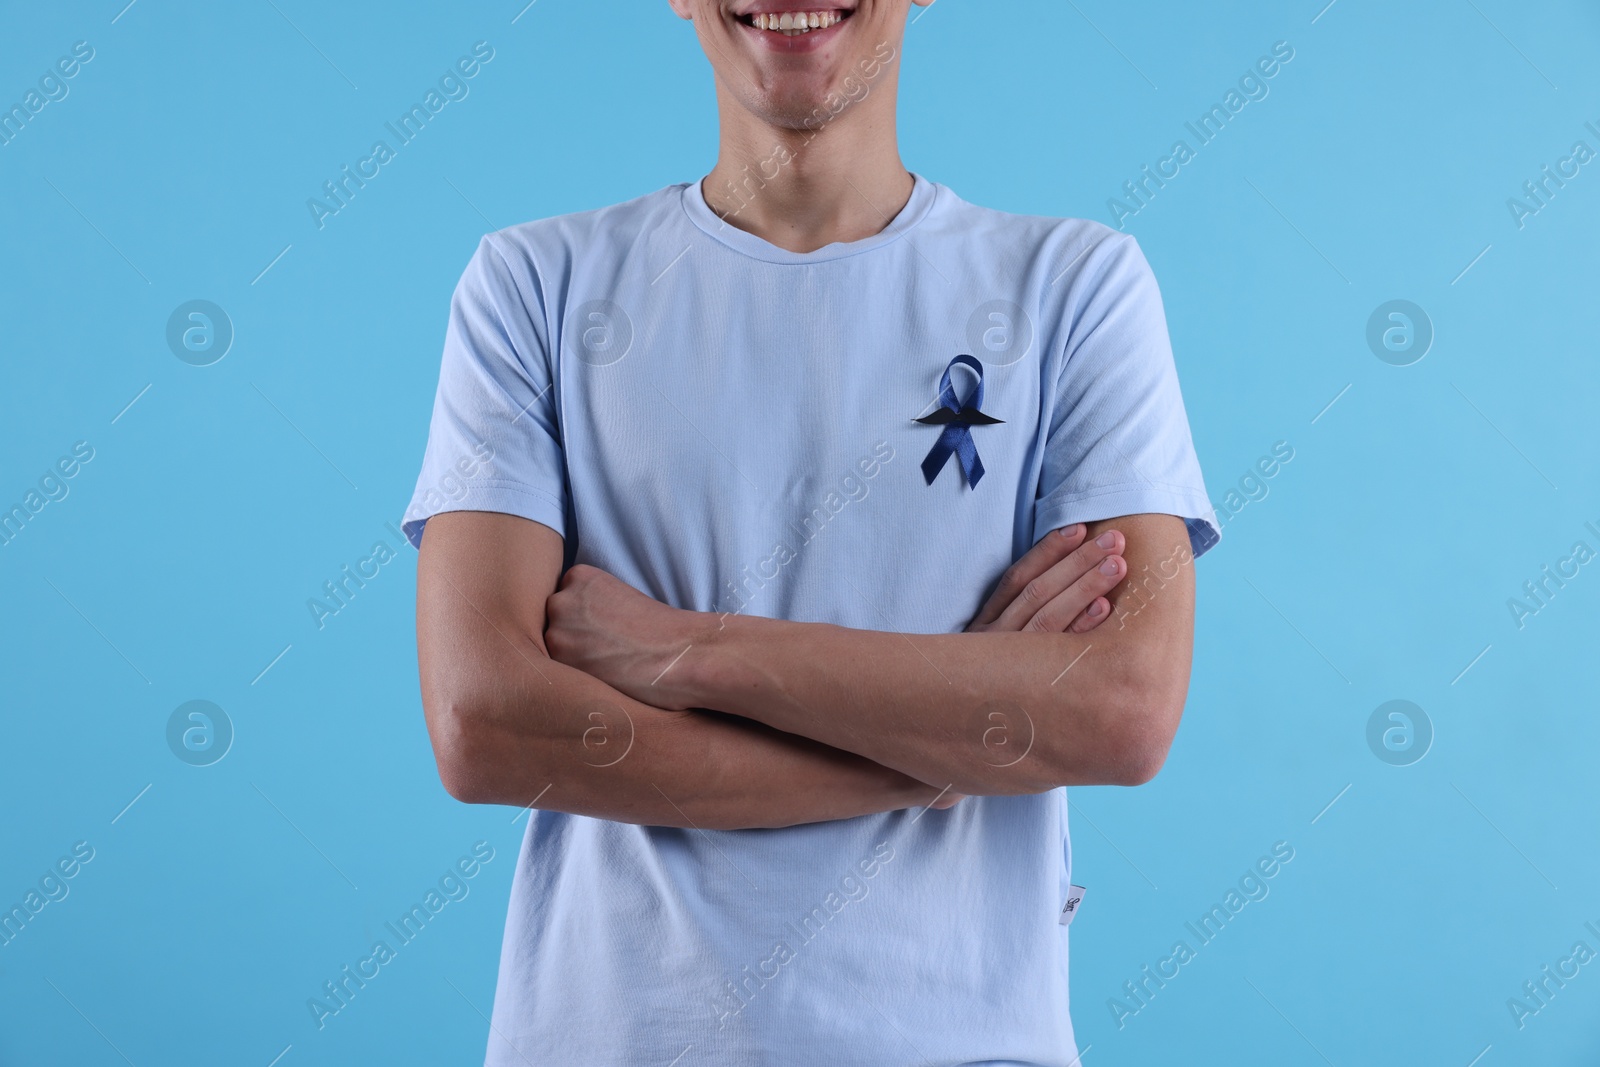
1194 509
522 501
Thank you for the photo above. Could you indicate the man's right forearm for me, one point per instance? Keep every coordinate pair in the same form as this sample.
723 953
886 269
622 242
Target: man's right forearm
595 752
511 726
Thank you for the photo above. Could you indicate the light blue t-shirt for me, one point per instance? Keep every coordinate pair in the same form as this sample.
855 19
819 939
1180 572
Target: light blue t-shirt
729 426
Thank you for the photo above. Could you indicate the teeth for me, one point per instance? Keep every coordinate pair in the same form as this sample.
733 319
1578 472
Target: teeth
794 23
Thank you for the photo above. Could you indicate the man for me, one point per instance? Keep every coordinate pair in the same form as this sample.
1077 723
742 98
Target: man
786 518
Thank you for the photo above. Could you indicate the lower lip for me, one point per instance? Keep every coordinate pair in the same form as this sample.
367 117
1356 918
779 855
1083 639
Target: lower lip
798 44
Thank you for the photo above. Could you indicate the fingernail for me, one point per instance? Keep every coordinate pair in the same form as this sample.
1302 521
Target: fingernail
1109 566
1107 539
1070 531
1097 609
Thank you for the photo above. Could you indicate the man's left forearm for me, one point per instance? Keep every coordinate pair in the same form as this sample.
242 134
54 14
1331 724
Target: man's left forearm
986 713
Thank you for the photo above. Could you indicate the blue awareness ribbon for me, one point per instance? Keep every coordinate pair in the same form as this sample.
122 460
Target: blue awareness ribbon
958 419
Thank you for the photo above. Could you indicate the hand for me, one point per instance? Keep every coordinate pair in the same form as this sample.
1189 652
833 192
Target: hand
1058 586
611 631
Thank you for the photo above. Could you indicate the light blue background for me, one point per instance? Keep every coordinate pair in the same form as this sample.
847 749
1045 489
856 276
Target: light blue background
1378 567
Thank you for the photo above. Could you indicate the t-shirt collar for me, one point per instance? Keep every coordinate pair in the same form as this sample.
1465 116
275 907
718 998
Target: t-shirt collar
923 194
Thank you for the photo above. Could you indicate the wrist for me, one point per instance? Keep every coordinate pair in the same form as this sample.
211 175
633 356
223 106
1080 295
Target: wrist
688 680
710 668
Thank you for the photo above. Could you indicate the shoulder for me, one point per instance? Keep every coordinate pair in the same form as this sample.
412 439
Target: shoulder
539 250
615 223
1060 253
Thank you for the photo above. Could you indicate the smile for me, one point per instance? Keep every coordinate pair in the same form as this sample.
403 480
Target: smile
795 23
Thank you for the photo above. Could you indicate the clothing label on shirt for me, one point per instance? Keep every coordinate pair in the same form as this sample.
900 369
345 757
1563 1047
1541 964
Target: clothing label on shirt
1069 910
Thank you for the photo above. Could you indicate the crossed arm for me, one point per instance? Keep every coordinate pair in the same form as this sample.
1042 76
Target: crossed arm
594 699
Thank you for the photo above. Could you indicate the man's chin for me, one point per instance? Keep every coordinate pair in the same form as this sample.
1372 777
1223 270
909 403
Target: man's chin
798 111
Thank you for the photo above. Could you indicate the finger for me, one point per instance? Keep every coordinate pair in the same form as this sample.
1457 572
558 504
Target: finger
1093 615
1059 613
1052 548
1058 579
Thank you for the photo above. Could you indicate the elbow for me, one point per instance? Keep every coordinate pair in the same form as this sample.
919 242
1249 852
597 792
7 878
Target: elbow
1137 762
464 786
1138 744
1126 743
456 727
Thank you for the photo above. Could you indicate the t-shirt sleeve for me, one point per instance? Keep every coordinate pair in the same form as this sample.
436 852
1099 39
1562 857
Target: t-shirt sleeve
1118 442
494 443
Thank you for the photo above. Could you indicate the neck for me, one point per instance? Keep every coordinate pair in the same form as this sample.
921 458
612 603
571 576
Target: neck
803 189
